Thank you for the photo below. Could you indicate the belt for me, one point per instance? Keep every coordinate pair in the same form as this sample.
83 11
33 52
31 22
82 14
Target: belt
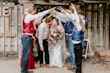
68 34
27 34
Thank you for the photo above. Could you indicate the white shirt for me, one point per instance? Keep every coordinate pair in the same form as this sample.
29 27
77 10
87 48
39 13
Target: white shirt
74 17
69 17
62 17
31 17
76 42
43 31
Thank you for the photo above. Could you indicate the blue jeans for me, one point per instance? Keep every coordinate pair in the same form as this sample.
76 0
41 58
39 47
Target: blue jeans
71 49
26 42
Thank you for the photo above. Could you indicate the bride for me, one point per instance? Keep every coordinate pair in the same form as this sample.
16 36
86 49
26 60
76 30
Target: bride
55 45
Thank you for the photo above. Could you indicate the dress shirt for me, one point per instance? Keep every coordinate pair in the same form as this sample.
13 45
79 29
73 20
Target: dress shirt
43 31
62 17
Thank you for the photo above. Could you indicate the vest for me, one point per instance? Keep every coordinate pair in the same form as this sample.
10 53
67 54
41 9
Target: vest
28 27
77 35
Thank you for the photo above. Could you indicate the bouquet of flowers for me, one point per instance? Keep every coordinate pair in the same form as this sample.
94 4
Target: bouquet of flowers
35 49
55 36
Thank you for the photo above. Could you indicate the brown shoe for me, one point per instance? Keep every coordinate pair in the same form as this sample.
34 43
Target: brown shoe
41 65
47 65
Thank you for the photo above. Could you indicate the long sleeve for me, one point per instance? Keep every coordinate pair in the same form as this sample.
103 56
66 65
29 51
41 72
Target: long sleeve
40 35
30 17
77 21
62 17
70 16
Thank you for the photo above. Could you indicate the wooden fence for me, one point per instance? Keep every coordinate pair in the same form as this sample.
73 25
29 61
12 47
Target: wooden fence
98 17
10 26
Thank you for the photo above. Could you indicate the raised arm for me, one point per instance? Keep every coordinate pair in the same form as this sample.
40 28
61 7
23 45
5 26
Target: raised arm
77 19
62 17
30 17
71 16
68 14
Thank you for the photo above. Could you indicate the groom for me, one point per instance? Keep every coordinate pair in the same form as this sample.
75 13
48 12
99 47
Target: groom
43 31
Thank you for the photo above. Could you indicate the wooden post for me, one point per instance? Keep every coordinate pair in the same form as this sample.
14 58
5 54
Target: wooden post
2 39
0 11
15 29
95 26
107 29
89 22
1 34
20 15
101 28
7 29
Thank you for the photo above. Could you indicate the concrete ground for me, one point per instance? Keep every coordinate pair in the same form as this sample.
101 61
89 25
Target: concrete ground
12 66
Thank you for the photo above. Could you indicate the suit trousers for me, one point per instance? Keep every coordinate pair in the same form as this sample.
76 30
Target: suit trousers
78 57
45 45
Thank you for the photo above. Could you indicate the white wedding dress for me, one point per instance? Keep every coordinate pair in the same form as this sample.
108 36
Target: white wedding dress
57 57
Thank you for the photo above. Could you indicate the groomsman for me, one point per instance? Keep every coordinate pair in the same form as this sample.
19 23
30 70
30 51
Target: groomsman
28 33
43 31
78 38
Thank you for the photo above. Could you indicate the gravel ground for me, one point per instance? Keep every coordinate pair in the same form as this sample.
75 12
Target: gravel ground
12 66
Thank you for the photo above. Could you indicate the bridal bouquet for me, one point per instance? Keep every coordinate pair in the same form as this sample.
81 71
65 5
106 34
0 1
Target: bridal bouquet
55 36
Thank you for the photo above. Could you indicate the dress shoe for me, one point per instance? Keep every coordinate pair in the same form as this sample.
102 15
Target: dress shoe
47 65
29 71
41 65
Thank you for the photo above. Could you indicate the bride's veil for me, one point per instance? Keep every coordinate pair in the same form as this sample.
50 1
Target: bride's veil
63 42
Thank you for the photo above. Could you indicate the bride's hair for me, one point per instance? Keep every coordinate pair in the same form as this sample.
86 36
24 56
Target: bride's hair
57 20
